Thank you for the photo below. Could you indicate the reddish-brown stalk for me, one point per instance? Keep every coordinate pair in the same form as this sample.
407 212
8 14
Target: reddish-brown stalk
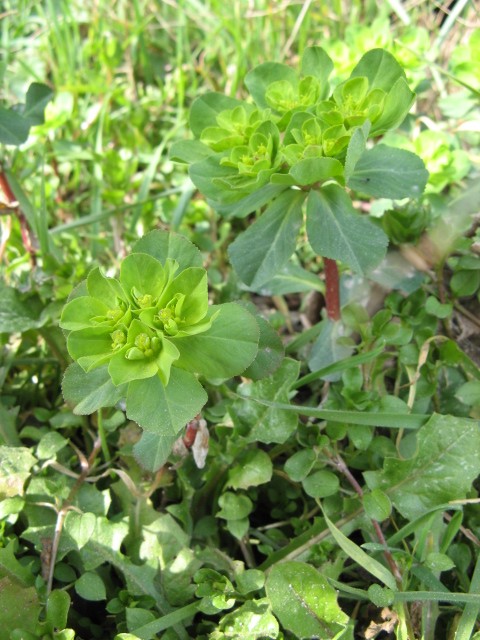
332 289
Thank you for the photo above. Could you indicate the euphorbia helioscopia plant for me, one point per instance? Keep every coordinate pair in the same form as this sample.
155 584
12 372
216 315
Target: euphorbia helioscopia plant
148 336
301 141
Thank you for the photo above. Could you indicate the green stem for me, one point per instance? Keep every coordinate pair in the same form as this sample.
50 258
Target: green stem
168 621
103 437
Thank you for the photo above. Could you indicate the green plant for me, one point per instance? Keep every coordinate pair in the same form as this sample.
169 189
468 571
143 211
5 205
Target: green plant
148 335
334 496
301 143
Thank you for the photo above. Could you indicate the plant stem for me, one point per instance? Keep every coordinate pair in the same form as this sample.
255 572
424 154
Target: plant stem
102 435
332 289
27 238
87 464
339 463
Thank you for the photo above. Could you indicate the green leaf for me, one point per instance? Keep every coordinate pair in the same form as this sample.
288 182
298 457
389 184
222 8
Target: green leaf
91 587
204 175
10 567
254 616
361 558
205 109
14 129
250 580
165 410
251 202
193 284
163 245
37 98
321 484
238 528
252 469
380 68
262 423
446 463
152 450
377 505
397 104
270 352
104 544
381 596
8 426
91 347
309 171
439 562
328 349
264 248
80 527
304 602
356 147
189 151
300 464
469 393
465 283
388 172
336 231
18 313
58 605
137 617
317 63
383 72
50 444
234 506
292 279
143 273
258 79
15 465
90 391
106 290
78 313
19 607
437 309
226 349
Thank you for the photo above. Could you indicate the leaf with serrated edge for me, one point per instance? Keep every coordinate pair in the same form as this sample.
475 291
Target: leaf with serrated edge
336 231
445 465
268 424
390 173
264 248
163 245
165 410
304 602
91 391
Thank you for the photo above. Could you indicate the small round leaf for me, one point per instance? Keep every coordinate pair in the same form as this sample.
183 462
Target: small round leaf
90 587
377 505
321 484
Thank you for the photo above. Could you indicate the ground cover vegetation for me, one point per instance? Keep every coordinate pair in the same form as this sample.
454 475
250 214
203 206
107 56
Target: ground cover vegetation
239 320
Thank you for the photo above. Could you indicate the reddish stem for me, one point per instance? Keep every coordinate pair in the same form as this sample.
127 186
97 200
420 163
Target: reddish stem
10 198
332 289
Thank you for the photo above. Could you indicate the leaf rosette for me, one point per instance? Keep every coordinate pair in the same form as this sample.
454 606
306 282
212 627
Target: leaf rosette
153 331
303 135
242 147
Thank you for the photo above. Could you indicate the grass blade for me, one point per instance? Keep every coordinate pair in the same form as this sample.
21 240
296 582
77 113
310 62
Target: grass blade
471 612
361 558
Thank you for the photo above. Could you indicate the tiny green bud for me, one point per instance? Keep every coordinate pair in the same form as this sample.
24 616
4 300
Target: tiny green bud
118 339
135 354
164 315
142 341
114 314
